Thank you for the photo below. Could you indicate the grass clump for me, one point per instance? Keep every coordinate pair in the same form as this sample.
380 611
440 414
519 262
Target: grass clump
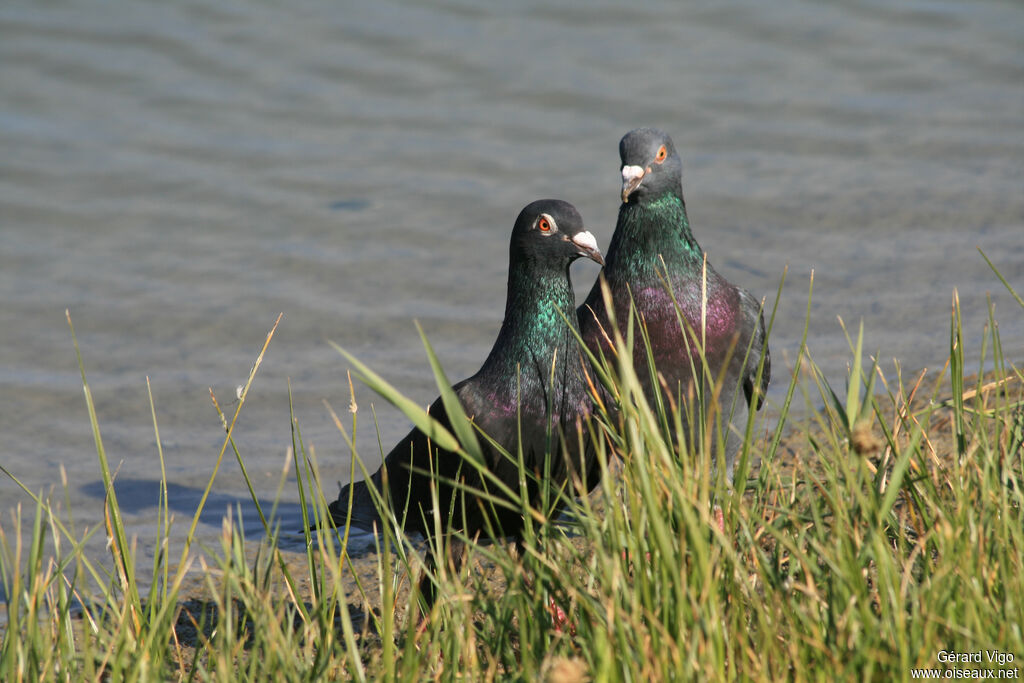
863 537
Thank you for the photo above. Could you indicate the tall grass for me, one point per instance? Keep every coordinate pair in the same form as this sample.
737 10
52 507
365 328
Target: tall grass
880 527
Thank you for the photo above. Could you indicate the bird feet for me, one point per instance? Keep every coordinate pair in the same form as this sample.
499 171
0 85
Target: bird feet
559 619
719 518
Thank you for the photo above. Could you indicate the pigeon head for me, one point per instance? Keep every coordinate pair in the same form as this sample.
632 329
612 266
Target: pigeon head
550 232
650 165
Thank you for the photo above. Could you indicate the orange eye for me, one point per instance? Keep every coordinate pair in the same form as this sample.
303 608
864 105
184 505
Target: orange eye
662 154
544 224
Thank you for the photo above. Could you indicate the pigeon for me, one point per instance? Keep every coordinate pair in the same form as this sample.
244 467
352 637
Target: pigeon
652 237
530 393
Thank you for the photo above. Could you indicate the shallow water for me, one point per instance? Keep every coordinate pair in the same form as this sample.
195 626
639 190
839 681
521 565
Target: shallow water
177 174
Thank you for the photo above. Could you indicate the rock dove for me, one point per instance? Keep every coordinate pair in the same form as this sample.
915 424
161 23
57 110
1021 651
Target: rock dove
653 230
532 384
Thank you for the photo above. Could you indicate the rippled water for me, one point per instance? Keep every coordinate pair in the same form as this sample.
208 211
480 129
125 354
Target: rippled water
177 174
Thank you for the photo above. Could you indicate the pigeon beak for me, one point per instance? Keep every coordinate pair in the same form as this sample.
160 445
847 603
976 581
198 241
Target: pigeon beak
631 178
588 246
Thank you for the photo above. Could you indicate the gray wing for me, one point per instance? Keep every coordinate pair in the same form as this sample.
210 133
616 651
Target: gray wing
753 324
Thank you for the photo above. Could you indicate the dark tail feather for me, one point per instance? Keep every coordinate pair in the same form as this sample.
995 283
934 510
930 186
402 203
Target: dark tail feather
364 512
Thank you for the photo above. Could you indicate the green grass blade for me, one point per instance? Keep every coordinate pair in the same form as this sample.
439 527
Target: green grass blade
419 417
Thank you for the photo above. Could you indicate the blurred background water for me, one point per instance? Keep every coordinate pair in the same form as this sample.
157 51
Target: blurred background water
177 174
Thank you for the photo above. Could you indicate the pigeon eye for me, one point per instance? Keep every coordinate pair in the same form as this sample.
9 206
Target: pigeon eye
544 224
661 155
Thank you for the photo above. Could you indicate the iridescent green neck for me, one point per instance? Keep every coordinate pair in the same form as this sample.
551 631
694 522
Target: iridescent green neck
647 232
535 325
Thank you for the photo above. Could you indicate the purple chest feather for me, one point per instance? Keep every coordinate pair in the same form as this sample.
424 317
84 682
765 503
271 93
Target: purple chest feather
718 318
504 402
